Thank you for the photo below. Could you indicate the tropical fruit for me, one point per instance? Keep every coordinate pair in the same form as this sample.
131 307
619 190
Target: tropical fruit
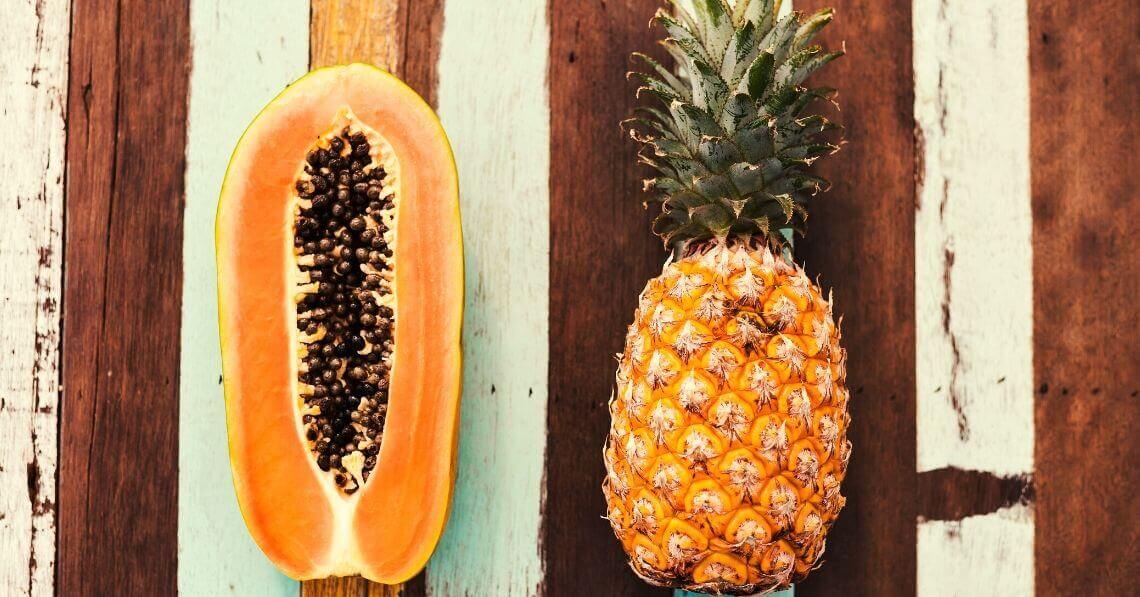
340 291
728 441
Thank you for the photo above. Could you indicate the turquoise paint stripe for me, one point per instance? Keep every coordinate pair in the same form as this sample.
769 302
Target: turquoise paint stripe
243 54
498 122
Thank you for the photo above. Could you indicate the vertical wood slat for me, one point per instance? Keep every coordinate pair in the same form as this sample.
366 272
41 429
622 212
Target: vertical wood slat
601 254
860 241
122 287
244 53
33 92
975 372
422 22
356 31
493 103
355 586
1084 90
974 345
389 34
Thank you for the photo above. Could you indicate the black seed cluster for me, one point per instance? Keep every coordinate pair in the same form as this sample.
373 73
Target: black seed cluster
348 367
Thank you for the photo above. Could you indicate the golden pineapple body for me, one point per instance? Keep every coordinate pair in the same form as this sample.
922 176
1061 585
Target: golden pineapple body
729 434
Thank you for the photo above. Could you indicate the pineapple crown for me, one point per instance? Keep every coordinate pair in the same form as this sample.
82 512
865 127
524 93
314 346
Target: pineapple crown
732 144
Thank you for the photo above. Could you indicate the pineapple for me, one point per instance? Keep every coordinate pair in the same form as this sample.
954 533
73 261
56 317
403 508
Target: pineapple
728 441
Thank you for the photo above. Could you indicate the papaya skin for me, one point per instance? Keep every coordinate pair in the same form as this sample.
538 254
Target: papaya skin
386 531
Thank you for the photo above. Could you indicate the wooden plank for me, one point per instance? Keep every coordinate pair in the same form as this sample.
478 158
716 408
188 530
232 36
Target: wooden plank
601 254
861 242
954 560
975 372
952 494
118 482
400 36
493 102
1084 89
355 586
33 92
422 21
244 53
972 237
354 31
384 33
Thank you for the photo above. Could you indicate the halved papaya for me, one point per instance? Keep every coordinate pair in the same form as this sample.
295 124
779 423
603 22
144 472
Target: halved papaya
340 291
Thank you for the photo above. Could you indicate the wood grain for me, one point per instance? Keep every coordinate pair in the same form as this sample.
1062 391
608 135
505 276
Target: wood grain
384 33
33 90
601 254
952 494
244 53
341 32
860 241
1085 94
118 482
972 236
422 22
355 586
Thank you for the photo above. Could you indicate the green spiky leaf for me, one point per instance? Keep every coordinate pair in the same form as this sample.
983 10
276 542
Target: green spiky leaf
733 138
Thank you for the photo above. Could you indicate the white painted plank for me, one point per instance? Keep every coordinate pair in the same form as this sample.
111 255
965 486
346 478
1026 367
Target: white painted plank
33 97
244 53
498 122
973 283
972 232
980 555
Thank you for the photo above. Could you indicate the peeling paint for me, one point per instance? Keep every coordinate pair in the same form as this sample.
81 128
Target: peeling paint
973 298
973 262
32 91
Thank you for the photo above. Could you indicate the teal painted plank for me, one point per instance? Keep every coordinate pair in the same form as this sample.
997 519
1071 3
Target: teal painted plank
498 121
243 54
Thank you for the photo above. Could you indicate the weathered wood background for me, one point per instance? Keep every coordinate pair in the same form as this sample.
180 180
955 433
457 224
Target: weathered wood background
979 238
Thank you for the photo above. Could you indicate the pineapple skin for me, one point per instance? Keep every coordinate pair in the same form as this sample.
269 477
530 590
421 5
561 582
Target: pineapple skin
728 441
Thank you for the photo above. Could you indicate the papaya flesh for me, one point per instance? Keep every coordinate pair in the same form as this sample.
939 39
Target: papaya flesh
340 294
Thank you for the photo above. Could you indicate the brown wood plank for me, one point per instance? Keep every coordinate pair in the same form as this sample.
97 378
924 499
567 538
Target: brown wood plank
601 254
122 290
401 36
355 586
860 241
1084 90
953 494
422 22
355 31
